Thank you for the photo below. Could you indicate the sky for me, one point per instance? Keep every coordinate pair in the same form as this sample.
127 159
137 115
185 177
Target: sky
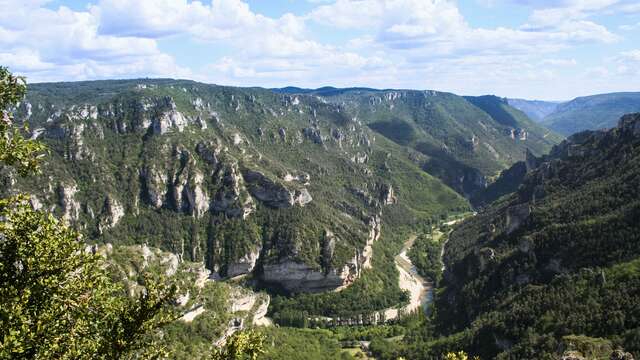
534 49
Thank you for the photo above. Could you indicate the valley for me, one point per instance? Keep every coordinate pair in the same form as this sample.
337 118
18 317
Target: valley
335 217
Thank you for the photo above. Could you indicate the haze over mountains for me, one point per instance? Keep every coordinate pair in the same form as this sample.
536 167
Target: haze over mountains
583 113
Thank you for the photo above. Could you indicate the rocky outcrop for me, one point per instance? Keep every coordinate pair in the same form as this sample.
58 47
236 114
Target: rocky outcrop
192 199
516 216
273 194
168 119
375 230
154 185
232 197
313 134
360 158
296 276
387 195
112 212
66 199
245 264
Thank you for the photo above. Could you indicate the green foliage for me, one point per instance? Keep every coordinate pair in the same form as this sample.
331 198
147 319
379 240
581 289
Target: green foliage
56 300
425 255
460 355
459 139
242 345
15 150
376 289
284 343
557 258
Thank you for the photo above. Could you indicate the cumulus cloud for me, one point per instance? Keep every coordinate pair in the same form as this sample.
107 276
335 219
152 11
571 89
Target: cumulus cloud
65 44
395 43
437 27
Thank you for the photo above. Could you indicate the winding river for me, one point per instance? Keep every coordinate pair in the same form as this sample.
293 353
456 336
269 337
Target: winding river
420 289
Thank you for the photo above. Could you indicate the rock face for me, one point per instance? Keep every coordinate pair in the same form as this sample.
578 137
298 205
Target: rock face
232 197
66 200
216 173
516 216
112 212
245 264
273 194
169 119
387 196
299 277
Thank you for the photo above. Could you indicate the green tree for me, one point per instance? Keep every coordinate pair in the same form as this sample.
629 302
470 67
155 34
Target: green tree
56 299
244 345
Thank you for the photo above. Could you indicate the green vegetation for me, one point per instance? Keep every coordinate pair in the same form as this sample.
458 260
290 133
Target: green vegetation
289 343
240 346
100 144
425 256
460 140
375 290
556 262
56 300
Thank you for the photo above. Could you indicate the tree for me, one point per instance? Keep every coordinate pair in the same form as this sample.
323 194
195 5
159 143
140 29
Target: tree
460 355
240 346
56 299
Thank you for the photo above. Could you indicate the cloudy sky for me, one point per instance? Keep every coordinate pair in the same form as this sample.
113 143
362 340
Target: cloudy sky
542 49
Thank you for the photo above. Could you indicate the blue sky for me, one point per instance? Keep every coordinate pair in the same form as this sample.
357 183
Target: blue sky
536 49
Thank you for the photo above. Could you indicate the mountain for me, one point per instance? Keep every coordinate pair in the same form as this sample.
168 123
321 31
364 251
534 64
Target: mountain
536 110
464 141
286 188
552 268
592 112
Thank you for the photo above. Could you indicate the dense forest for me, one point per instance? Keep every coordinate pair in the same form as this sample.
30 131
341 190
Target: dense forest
553 267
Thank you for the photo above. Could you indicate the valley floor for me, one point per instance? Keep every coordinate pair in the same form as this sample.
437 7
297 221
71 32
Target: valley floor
420 289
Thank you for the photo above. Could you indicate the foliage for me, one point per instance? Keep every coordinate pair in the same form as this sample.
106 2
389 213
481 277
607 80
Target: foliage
376 289
556 259
15 150
425 256
109 153
460 355
240 346
457 139
284 343
56 299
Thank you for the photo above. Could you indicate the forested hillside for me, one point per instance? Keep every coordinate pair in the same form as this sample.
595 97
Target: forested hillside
287 187
553 267
464 141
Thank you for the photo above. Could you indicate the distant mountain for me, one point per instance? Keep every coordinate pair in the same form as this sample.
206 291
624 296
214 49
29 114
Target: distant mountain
592 112
553 267
464 141
536 110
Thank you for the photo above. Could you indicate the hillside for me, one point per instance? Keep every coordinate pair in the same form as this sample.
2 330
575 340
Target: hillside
553 267
536 110
591 112
462 141
287 188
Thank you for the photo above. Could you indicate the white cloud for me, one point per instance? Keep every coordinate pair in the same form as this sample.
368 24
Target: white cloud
64 44
436 28
399 43
559 62
630 27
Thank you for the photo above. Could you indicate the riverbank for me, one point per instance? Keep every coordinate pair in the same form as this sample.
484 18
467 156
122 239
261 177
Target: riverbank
418 287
